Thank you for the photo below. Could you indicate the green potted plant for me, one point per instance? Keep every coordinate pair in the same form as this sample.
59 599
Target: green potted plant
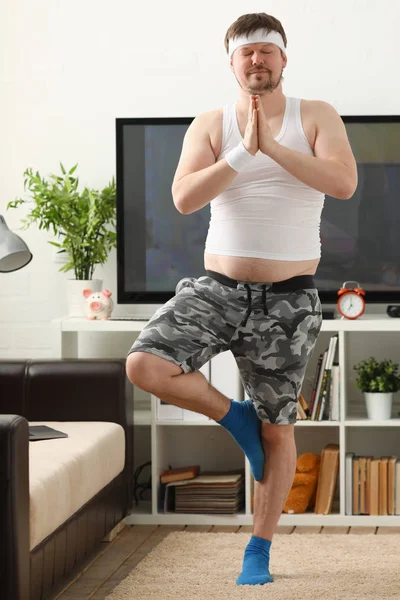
84 223
379 380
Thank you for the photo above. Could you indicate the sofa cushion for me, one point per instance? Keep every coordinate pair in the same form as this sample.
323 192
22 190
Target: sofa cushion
66 473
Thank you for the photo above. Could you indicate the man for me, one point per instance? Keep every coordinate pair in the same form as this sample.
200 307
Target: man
264 164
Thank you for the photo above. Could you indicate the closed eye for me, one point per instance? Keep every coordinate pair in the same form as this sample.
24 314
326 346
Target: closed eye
263 52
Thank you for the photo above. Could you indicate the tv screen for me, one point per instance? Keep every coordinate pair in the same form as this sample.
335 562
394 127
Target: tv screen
157 245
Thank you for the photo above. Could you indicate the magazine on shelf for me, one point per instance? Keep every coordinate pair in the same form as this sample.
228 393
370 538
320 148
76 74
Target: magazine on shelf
209 490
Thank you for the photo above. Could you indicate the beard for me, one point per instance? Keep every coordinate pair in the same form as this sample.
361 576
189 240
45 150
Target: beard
263 82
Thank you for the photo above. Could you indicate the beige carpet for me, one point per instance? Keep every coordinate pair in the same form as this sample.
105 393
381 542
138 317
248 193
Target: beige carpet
304 567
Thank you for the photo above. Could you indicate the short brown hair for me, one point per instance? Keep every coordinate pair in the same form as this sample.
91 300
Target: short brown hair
253 22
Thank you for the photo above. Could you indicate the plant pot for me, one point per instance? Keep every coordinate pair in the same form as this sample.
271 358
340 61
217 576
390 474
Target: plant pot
75 299
379 405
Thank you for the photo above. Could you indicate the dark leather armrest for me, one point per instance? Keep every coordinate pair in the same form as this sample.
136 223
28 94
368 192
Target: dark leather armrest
14 507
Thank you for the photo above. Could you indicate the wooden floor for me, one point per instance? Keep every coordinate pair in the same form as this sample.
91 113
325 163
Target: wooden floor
114 560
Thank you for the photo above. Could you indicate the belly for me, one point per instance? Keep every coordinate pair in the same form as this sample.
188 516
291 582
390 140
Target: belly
258 269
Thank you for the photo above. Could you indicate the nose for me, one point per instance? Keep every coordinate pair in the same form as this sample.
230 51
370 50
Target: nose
95 305
257 58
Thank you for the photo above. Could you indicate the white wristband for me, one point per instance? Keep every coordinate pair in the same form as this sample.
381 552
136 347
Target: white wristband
239 158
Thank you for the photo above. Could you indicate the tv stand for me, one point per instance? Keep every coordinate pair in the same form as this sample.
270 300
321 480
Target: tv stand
198 440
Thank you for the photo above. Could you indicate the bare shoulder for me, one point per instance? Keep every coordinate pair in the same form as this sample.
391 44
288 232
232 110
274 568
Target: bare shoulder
318 115
210 122
320 112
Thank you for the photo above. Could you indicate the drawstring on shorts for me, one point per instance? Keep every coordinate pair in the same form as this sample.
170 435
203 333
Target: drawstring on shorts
249 299
298 282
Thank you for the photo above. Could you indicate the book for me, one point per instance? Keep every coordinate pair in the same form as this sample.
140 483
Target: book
327 479
315 383
391 484
304 405
323 410
368 485
349 483
374 487
362 466
317 392
301 412
397 489
383 479
356 485
180 474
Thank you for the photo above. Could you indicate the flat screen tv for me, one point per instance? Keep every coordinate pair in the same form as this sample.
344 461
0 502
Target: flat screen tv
157 245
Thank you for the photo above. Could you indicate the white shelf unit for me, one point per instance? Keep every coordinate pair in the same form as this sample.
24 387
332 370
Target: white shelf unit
182 442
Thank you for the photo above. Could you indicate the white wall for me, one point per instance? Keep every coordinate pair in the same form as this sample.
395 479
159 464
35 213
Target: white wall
68 69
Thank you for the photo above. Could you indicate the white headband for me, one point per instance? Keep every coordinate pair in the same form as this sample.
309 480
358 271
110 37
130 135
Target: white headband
273 37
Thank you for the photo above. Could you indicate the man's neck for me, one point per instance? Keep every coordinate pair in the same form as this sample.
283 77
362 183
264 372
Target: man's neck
272 102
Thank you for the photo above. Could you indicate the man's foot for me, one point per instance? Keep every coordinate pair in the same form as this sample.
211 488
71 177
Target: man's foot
255 570
244 426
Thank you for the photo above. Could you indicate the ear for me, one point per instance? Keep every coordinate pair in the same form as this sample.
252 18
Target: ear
87 292
106 293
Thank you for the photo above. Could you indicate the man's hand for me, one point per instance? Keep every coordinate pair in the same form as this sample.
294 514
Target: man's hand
265 137
250 140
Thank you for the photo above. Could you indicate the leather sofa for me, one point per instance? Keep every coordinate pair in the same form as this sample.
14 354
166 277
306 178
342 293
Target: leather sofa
80 393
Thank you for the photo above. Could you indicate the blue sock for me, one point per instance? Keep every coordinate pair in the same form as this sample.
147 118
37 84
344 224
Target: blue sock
255 570
244 425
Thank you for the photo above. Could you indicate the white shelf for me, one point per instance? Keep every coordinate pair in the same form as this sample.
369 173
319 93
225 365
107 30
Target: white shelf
357 422
380 322
81 324
180 442
306 520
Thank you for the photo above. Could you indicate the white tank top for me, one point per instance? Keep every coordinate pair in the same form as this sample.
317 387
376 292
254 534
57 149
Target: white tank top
266 212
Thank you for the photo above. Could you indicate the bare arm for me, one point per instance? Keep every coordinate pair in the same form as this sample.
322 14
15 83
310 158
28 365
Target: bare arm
199 178
333 169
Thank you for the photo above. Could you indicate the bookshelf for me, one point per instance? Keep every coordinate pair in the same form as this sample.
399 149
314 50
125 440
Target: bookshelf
178 442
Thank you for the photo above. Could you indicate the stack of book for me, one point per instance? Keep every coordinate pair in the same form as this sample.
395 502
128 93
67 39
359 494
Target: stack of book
324 402
372 485
208 492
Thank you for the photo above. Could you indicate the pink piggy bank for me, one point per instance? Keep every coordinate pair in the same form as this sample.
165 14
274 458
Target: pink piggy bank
98 305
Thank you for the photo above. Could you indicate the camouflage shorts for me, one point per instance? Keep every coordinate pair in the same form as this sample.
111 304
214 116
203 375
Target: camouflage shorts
271 330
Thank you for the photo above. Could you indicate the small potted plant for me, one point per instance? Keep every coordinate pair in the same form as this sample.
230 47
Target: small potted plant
379 380
83 221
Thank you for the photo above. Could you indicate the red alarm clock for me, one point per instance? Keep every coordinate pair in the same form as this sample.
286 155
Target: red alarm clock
351 302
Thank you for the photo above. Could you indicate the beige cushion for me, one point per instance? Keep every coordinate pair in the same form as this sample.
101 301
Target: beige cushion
66 473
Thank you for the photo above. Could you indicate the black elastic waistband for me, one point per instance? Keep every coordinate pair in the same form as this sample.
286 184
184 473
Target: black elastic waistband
287 285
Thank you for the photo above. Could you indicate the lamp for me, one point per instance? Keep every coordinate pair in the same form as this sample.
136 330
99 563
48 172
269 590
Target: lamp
14 253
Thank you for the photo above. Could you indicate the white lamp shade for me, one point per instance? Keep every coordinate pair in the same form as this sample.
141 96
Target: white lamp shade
14 253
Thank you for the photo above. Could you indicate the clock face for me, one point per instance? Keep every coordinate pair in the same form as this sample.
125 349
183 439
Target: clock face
351 305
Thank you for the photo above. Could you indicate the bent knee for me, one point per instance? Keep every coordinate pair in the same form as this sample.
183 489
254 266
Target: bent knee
148 371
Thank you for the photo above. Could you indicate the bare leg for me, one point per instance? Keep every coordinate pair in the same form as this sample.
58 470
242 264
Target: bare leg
270 494
269 499
168 382
193 392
